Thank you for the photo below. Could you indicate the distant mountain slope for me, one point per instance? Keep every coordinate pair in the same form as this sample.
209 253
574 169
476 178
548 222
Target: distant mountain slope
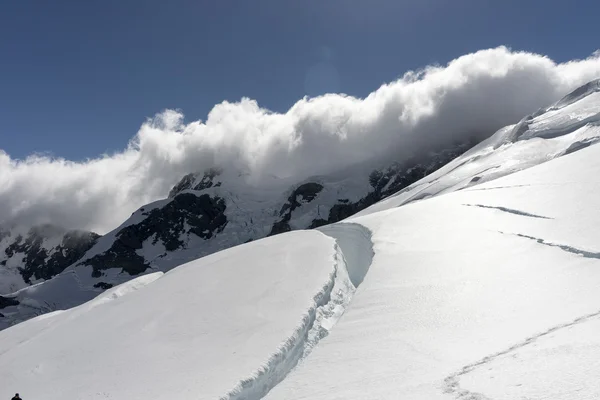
205 213
38 254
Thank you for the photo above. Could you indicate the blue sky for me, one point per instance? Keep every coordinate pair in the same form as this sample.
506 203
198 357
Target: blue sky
77 78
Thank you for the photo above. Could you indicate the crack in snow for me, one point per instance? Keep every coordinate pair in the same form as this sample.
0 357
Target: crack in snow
494 188
568 249
452 382
508 210
354 253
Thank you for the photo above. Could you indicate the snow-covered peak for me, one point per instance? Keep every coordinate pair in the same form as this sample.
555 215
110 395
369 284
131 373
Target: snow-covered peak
197 181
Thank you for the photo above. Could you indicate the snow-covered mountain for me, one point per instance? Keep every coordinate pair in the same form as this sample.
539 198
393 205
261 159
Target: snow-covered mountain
204 213
480 281
37 254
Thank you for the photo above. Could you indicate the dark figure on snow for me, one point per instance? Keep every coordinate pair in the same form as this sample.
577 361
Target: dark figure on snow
17 397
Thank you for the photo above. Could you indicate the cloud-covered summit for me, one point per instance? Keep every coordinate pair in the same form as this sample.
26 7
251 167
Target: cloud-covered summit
471 96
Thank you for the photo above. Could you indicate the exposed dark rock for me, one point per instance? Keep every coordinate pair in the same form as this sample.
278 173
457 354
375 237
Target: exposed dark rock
118 256
187 182
280 227
38 263
184 184
389 181
203 215
7 302
305 193
103 285
208 179
384 182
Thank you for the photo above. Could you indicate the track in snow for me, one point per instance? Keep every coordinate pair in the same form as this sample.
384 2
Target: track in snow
354 254
476 189
508 210
563 247
452 382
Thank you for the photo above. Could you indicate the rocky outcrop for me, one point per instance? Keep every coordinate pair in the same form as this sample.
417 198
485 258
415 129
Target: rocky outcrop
390 181
103 285
187 213
184 184
190 182
7 302
41 259
303 194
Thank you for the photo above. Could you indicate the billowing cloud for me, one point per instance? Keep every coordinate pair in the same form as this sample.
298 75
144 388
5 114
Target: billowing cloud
471 96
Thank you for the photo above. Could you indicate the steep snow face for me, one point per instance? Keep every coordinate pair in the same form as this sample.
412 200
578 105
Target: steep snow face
567 126
486 293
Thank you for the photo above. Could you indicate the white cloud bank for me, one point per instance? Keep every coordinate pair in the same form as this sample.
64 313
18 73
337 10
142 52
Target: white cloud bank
474 94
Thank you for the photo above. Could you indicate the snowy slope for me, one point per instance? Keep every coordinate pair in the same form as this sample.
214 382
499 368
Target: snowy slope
485 293
488 292
195 332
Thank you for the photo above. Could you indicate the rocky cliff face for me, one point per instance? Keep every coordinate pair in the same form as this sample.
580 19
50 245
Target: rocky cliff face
187 214
39 254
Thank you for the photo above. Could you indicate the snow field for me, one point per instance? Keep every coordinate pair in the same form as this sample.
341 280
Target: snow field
454 290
